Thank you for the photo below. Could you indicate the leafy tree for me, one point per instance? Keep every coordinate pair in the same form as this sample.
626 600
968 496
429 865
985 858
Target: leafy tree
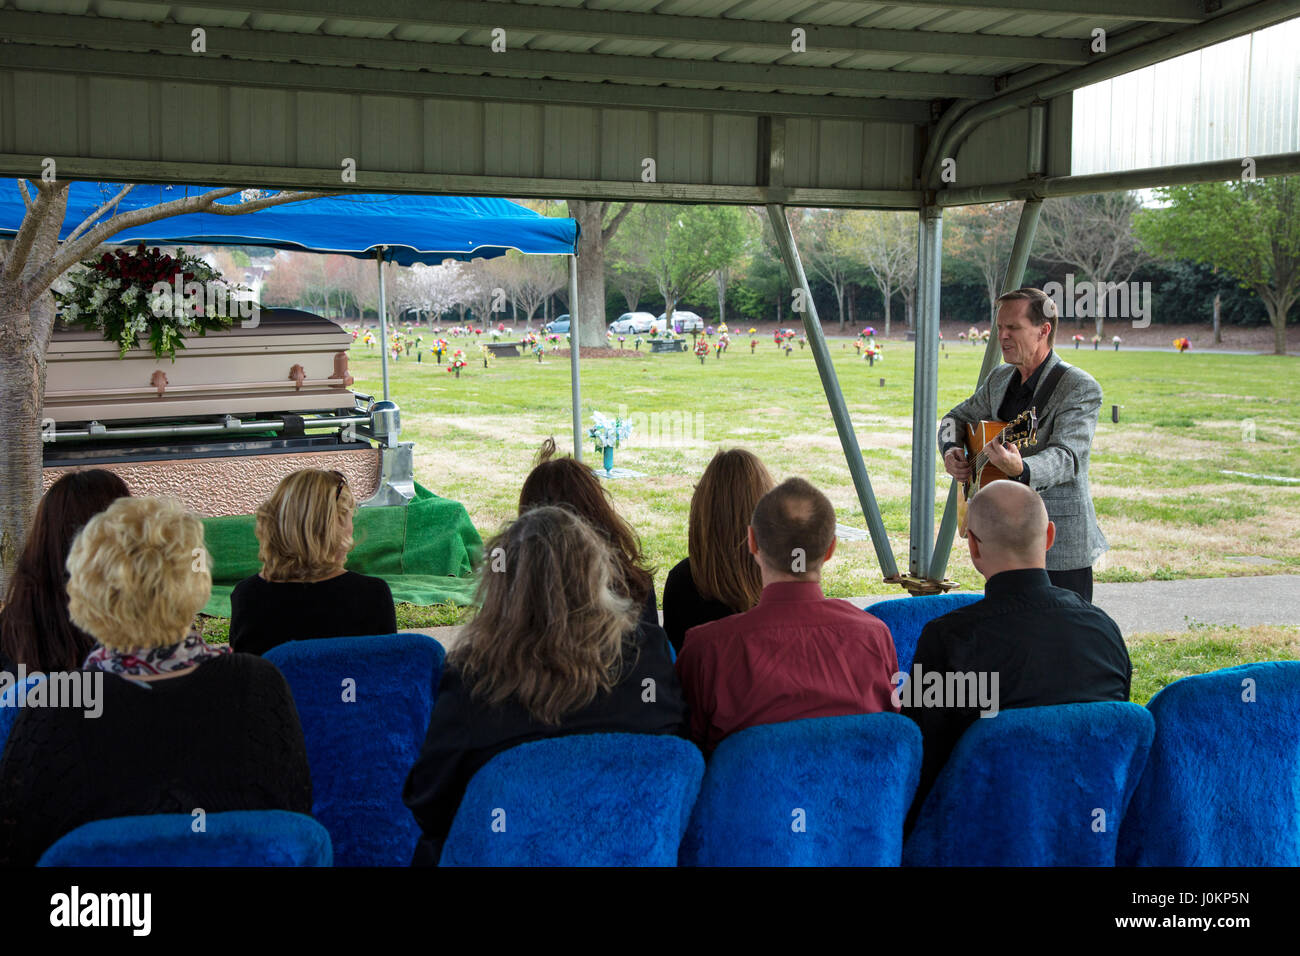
1249 229
982 236
687 244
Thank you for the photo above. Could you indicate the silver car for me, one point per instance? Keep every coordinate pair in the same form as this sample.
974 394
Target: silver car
632 323
688 321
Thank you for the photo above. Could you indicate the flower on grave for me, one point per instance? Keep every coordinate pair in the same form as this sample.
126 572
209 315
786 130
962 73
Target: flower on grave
873 352
608 432
636 343
538 349
753 344
457 360
984 336
501 326
702 347
752 330
620 341
802 341
1182 344
1117 340
722 329
488 355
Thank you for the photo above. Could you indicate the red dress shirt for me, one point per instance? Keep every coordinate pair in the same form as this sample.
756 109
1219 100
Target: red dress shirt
796 654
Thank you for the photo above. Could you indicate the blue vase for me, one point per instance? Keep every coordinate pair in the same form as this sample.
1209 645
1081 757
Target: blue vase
609 457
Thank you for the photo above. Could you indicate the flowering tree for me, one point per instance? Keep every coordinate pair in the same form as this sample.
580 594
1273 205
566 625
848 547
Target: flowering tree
34 259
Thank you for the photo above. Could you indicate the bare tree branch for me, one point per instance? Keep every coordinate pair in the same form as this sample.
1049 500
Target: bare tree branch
70 253
607 231
111 204
27 231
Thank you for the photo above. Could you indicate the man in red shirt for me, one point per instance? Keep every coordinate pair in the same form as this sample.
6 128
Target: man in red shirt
797 653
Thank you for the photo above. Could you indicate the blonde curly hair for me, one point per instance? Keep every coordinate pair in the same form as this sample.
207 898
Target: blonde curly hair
138 573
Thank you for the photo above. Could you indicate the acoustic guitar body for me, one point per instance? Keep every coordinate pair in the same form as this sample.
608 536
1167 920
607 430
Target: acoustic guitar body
1021 432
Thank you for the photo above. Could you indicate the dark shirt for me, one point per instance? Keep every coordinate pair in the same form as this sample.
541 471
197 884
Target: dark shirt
650 610
796 654
1046 645
1020 396
466 732
223 737
265 613
684 608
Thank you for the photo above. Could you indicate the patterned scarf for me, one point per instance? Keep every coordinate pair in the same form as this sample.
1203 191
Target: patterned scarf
190 652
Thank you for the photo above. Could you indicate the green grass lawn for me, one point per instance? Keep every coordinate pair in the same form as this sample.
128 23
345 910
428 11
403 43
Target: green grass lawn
1163 502
1161 495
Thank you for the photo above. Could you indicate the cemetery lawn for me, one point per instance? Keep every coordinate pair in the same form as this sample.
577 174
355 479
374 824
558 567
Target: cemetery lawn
1162 497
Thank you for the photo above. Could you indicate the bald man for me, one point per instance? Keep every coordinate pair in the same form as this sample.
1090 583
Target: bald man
1029 642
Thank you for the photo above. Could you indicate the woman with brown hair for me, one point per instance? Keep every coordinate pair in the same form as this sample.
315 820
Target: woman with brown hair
566 481
35 629
719 577
304 534
555 649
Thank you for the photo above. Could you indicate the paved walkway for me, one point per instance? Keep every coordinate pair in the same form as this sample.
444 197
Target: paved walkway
1153 605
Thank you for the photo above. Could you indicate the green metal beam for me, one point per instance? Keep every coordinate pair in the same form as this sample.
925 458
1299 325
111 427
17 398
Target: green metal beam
413 83
377 54
531 20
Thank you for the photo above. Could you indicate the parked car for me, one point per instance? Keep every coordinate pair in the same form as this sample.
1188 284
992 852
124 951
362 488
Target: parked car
689 321
559 325
637 323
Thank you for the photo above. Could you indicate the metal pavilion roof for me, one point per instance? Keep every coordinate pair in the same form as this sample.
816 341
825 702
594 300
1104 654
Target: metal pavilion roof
831 103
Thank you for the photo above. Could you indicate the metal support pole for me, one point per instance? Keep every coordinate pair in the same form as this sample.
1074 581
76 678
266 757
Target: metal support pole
834 396
925 387
1015 275
383 321
574 379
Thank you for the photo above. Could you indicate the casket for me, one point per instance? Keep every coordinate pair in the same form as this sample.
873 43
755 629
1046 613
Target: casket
222 424
290 361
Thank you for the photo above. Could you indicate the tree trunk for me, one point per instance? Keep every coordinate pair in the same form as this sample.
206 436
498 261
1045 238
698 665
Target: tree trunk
1218 333
22 397
591 269
722 297
888 319
839 303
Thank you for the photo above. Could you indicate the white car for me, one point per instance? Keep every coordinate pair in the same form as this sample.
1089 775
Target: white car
634 323
687 321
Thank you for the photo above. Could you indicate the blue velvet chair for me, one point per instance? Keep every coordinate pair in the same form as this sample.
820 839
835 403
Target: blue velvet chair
1036 786
906 617
235 838
826 791
1222 786
578 800
365 704
9 709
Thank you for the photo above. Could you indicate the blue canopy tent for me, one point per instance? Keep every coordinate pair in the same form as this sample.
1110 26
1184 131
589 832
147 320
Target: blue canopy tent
405 229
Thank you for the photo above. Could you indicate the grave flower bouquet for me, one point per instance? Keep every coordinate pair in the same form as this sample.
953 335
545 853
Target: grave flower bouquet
608 432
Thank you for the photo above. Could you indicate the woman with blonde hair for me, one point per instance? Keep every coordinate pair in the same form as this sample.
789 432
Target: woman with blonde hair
175 725
304 534
555 649
719 577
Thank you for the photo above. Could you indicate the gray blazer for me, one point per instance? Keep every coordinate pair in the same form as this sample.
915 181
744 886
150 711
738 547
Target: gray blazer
1058 464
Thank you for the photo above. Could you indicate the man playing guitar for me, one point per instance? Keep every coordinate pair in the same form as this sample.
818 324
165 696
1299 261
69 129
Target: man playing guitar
1066 399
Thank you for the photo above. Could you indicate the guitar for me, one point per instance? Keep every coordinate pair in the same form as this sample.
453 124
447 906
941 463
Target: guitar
1021 431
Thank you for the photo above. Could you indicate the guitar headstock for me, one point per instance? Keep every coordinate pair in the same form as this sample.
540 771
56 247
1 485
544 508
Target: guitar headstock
1022 430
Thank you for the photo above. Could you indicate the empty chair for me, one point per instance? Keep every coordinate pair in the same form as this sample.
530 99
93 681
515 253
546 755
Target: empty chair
364 703
1035 786
578 800
1222 785
907 617
826 791
234 838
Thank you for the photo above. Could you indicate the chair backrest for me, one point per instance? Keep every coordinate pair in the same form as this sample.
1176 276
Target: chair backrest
365 704
234 838
9 706
578 800
906 617
1035 786
825 791
1222 785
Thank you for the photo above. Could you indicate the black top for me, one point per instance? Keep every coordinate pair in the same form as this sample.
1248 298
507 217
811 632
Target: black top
223 737
1020 396
650 610
1046 644
683 606
264 613
465 733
